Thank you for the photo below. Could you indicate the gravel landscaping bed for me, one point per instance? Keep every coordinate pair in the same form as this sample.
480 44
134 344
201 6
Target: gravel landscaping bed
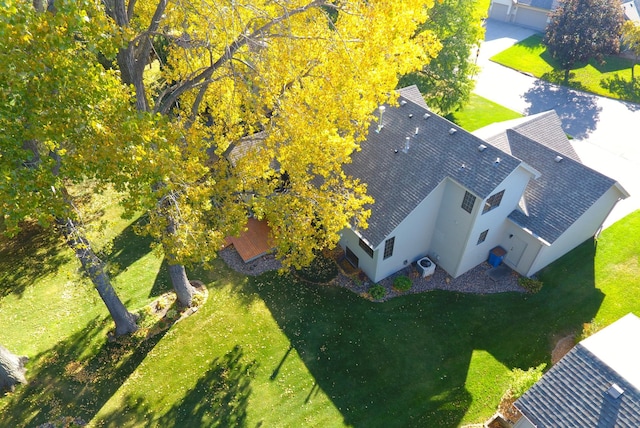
475 281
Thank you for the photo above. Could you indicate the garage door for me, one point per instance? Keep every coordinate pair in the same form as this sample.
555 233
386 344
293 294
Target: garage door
531 18
499 12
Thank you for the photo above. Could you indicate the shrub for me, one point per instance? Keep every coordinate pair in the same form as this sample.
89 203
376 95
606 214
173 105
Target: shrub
522 380
588 329
377 292
532 285
402 283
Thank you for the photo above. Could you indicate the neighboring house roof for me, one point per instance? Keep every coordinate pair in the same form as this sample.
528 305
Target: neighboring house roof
575 391
539 4
566 188
399 181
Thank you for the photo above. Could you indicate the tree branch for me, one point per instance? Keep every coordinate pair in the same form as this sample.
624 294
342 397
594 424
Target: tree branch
165 104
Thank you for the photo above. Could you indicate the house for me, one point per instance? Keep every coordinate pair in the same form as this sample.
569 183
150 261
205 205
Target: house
532 14
535 14
597 384
631 11
455 197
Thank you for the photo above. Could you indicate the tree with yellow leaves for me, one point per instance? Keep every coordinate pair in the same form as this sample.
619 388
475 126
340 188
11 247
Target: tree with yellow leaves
195 81
61 112
305 74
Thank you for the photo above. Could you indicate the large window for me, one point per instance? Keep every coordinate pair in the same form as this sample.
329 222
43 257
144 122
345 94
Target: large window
388 247
367 249
468 201
351 257
483 236
493 202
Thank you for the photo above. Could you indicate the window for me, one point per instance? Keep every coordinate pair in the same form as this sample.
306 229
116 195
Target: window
493 202
468 202
351 257
367 249
388 247
482 237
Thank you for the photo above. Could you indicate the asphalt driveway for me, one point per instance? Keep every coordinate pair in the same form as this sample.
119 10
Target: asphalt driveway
606 132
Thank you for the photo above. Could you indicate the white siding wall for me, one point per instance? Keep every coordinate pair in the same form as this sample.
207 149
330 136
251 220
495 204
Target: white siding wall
513 232
584 228
494 221
351 239
452 227
412 236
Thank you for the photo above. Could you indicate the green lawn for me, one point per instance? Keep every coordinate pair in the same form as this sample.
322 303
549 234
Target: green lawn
274 352
480 112
610 79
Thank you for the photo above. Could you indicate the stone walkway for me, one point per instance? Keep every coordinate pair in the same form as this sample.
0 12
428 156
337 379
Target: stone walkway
483 279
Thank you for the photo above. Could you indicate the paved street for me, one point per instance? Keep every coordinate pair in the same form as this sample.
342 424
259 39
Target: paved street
606 132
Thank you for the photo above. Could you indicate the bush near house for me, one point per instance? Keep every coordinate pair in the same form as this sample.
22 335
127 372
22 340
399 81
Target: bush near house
532 285
377 292
402 283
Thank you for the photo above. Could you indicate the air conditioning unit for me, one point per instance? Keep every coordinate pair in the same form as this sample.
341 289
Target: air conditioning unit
426 267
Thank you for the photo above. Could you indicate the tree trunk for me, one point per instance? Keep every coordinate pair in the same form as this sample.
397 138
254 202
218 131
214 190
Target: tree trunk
12 370
566 75
177 272
181 285
94 268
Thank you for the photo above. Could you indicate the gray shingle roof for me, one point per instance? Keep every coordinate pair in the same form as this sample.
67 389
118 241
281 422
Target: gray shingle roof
544 127
573 393
399 181
564 191
412 93
540 4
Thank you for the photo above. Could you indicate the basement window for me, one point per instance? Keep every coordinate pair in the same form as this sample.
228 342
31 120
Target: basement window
367 249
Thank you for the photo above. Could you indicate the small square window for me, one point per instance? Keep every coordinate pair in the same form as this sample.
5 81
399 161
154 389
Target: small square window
493 202
482 237
468 202
388 247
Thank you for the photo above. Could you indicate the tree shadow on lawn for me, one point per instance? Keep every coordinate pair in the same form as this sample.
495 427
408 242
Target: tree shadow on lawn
579 112
625 89
33 253
75 377
130 246
219 399
611 64
404 363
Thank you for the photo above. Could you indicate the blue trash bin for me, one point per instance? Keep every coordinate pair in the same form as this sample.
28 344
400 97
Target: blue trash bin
496 255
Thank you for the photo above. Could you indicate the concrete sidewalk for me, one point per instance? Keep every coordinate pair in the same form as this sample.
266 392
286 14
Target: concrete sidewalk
606 132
